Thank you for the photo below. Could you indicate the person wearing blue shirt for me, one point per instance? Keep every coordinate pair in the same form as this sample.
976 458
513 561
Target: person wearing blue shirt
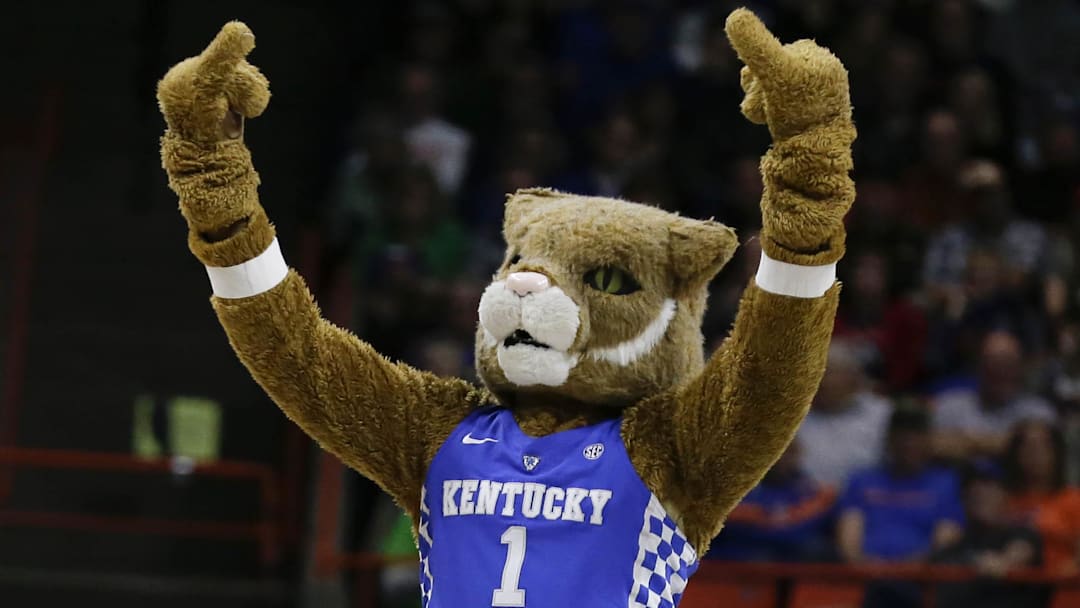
901 510
904 508
787 517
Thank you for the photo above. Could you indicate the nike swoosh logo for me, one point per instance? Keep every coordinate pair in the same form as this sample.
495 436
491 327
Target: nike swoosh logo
469 440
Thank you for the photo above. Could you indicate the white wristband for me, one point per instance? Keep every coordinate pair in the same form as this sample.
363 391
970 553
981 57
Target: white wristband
257 275
793 280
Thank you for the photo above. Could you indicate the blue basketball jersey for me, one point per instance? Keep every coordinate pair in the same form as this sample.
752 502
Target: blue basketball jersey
564 520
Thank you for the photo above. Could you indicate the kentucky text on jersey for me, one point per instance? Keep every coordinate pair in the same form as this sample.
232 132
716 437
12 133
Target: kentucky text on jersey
512 520
524 499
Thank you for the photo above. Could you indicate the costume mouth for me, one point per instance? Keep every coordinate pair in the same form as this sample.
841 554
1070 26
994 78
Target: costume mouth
521 336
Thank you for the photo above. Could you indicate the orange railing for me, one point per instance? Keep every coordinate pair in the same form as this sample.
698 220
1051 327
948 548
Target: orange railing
264 530
773 585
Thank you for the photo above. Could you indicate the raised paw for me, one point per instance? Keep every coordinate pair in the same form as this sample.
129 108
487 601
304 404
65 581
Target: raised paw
790 87
205 98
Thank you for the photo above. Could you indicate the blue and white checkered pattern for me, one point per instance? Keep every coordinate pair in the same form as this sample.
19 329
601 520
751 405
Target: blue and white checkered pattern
424 538
664 563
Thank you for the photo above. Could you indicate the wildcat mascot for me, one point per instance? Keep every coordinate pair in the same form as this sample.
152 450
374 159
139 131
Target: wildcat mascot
602 452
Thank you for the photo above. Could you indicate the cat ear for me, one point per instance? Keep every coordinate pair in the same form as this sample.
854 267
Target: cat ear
698 250
524 200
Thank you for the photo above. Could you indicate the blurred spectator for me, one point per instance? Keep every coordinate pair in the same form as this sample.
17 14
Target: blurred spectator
979 272
365 180
974 99
616 154
440 145
905 508
976 420
953 34
888 332
991 544
862 45
889 101
989 300
483 208
929 186
1035 473
418 229
787 517
413 253
881 221
992 224
605 51
1034 463
843 408
525 90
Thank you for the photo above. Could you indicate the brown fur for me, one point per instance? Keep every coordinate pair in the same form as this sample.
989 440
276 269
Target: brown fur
700 435
383 419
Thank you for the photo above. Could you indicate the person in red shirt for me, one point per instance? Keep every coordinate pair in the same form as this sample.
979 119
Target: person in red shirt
887 330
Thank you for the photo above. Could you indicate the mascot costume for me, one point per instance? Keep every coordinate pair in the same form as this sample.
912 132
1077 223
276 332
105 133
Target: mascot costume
602 452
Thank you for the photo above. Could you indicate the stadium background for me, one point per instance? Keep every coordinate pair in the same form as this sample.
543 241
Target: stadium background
394 131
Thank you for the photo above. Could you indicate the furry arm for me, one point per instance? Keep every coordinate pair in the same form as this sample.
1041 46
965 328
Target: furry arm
383 419
731 423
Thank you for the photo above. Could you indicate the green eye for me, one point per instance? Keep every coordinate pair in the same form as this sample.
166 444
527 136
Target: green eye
611 280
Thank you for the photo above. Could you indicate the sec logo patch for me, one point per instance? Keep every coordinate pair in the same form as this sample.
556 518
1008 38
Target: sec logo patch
594 451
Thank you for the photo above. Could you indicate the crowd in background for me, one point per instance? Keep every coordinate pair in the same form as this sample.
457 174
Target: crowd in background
947 427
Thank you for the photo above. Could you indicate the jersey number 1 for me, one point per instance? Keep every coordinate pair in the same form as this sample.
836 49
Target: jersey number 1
508 593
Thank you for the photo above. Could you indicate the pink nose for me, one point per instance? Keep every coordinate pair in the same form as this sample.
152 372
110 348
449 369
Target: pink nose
524 283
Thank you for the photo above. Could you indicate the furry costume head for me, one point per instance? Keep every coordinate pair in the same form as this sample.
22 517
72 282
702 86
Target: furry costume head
599 301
